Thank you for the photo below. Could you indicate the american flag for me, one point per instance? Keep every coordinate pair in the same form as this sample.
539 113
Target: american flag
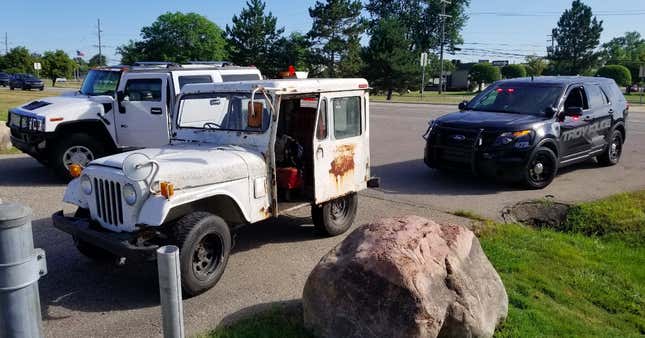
79 53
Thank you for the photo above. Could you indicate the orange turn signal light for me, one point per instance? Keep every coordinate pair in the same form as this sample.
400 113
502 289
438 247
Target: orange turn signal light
521 133
75 170
167 189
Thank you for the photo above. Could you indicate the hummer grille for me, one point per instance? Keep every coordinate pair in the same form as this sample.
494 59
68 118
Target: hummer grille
109 203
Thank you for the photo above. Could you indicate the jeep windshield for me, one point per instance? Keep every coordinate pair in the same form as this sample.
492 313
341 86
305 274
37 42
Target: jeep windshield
517 98
224 111
100 82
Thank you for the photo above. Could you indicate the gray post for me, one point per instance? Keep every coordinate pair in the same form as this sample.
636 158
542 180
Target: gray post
172 314
20 268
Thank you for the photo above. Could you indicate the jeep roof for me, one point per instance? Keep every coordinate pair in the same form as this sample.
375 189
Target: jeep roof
281 86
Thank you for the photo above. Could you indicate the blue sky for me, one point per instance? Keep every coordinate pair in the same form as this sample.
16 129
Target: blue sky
71 25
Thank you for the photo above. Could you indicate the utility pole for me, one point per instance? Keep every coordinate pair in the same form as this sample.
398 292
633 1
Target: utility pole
6 44
100 45
443 38
550 52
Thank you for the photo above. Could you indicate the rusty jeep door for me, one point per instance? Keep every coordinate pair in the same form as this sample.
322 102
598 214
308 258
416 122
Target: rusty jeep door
341 145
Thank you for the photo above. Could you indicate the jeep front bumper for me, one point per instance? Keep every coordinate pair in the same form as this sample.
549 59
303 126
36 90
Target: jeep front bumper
119 244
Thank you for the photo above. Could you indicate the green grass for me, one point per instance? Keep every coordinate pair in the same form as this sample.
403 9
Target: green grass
274 323
10 151
635 98
428 97
469 214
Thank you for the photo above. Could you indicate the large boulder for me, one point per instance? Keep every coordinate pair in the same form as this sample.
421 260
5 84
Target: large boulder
5 133
405 277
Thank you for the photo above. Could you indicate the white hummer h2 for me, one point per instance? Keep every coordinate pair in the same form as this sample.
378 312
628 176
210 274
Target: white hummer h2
240 153
117 108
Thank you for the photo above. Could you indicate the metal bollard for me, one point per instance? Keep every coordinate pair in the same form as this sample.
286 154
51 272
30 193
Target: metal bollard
172 313
20 268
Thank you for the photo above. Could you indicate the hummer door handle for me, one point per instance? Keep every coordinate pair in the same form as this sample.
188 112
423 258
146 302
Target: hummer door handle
124 126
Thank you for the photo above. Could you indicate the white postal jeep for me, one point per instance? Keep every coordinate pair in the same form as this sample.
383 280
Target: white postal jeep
240 153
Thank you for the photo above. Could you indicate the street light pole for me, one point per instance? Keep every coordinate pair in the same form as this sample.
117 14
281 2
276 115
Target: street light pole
443 38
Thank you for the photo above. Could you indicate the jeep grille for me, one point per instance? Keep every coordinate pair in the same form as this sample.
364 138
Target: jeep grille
109 205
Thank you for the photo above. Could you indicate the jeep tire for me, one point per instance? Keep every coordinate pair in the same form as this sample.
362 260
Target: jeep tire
541 168
204 242
611 156
78 148
336 216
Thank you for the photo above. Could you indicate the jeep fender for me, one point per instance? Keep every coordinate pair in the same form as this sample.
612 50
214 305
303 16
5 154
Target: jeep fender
74 195
158 210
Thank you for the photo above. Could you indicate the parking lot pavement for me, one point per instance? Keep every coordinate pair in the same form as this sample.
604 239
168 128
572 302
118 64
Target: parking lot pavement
272 260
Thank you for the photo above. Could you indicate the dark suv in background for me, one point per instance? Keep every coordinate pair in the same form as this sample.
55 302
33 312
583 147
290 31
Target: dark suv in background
528 128
26 81
4 79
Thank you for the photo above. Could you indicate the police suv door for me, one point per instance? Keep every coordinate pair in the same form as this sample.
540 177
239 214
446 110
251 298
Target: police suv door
601 116
142 112
341 145
573 143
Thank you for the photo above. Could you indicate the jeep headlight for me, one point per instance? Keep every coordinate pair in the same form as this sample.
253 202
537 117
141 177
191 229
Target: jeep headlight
86 184
129 194
522 138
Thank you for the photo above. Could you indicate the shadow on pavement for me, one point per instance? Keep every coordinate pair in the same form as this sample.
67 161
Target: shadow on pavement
22 170
289 309
284 229
414 177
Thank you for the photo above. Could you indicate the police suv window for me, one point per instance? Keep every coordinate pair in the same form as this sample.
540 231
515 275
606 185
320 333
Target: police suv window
143 90
596 97
184 80
347 116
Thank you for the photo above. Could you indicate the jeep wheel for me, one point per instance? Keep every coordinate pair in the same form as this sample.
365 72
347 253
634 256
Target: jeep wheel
541 168
336 216
611 156
75 149
204 242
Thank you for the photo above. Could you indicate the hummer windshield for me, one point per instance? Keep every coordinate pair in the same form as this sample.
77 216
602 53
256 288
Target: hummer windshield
100 82
517 98
224 111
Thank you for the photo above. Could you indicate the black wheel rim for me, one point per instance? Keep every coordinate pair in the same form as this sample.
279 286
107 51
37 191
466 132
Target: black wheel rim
339 210
207 256
541 168
615 148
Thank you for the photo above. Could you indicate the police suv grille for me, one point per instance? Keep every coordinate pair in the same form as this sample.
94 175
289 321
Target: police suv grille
455 147
109 206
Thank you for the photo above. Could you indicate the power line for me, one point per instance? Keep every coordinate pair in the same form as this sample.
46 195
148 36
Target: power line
553 13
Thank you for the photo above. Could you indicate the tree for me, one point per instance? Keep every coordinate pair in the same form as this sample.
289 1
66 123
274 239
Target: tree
627 50
293 51
19 60
96 61
389 65
513 71
421 20
57 64
619 73
577 35
177 37
484 73
535 65
337 26
253 37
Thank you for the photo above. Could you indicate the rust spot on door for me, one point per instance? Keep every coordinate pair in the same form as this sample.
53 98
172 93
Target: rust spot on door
343 165
265 212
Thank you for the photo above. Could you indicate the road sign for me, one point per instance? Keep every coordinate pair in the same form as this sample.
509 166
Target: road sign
500 63
37 66
424 59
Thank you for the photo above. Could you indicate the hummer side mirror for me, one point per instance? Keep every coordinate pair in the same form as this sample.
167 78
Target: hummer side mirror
463 105
255 115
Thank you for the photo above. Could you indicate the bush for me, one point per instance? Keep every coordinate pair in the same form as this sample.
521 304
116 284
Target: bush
619 73
484 73
513 71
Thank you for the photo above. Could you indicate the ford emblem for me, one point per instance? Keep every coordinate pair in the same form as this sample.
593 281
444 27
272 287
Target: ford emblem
458 137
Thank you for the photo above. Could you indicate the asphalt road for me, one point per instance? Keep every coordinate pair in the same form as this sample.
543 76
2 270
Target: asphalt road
272 260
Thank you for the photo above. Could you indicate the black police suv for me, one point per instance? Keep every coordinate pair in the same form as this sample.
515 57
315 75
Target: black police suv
526 129
26 81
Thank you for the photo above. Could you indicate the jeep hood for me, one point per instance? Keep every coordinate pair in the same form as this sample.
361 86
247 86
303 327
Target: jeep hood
190 165
481 119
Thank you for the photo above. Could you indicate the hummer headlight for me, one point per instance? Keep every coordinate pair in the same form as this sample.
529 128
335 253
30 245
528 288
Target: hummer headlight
86 184
129 194
521 138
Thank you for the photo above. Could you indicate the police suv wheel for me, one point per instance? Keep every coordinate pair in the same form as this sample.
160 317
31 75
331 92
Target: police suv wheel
204 242
336 216
78 149
611 156
541 168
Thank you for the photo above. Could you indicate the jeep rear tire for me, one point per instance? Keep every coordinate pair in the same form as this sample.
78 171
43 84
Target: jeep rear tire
541 168
611 156
204 242
336 216
76 148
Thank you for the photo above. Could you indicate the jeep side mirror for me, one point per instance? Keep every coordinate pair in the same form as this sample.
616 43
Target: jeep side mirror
573 111
463 105
255 115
